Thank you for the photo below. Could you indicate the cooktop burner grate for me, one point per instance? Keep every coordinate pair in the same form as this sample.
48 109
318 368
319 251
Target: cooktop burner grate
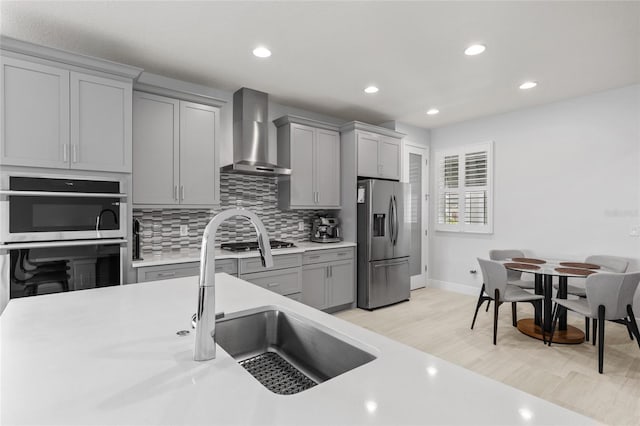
253 245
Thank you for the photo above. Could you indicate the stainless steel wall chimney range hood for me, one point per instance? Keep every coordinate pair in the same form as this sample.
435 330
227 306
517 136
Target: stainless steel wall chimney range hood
251 135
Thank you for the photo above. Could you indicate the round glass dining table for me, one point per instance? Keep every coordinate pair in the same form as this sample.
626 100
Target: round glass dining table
544 270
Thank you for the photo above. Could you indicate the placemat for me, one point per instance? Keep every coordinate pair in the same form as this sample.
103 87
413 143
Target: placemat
529 260
580 265
521 266
575 271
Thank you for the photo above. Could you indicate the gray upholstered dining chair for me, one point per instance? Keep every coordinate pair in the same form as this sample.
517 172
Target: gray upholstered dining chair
609 297
513 277
612 264
499 290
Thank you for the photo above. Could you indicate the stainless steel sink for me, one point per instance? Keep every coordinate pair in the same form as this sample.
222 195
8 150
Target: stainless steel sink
286 353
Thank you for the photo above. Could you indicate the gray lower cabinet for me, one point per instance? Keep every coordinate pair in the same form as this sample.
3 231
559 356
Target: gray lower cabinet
282 281
178 270
328 278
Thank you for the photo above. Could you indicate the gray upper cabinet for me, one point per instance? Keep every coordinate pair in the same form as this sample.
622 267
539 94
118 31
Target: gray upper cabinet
199 171
57 117
311 149
100 123
155 149
174 152
378 156
35 114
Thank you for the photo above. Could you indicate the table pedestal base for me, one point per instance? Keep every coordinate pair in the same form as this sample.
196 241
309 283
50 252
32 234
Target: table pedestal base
570 336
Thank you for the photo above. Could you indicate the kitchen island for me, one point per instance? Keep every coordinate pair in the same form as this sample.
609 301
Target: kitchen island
112 356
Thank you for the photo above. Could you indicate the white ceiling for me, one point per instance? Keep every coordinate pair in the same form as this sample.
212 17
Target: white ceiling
325 53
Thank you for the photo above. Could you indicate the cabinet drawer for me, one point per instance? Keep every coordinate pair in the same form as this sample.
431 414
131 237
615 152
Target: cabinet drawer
284 282
165 272
230 266
254 264
320 256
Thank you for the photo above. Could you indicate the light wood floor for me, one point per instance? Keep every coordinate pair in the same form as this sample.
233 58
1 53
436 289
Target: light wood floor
438 321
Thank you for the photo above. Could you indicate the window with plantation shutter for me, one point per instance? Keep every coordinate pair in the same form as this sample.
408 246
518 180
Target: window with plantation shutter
464 194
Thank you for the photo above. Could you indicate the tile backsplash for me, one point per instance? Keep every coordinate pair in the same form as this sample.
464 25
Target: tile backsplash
160 228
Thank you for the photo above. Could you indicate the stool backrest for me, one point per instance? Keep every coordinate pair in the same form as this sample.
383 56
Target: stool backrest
613 263
494 275
612 290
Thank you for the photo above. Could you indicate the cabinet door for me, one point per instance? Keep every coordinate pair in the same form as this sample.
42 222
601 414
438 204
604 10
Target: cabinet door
100 123
199 173
341 290
303 191
327 162
35 114
389 157
368 155
314 286
156 135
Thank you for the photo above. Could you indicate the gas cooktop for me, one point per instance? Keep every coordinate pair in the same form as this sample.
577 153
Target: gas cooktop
253 245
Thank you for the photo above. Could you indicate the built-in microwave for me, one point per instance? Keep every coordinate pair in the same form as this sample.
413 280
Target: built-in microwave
60 209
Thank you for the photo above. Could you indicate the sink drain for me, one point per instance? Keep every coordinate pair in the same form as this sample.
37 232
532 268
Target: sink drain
277 374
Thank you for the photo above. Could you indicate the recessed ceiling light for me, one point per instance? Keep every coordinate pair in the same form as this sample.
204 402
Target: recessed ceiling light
433 111
475 49
528 85
371 89
261 52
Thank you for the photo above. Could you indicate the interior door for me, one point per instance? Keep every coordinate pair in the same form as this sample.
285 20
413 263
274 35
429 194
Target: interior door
415 173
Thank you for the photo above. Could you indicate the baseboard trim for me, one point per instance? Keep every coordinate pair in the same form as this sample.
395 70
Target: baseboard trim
455 287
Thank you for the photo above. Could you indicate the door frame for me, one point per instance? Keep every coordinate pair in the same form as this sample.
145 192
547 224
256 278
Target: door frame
408 147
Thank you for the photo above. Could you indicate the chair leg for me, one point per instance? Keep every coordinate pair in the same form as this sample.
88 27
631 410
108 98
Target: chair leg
481 299
496 305
586 328
633 324
594 326
554 320
600 338
514 313
488 304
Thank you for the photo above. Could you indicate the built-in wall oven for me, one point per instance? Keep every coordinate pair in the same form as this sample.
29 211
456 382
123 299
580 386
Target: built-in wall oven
60 234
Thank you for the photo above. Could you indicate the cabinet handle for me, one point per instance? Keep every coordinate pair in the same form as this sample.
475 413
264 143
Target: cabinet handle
273 285
175 192
314 257
65 152
74 153
182 192
166 274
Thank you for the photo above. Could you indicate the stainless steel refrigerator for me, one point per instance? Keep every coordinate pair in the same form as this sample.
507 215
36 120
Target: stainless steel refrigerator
383 243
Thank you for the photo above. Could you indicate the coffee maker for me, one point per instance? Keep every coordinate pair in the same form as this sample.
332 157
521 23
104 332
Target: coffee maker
326 230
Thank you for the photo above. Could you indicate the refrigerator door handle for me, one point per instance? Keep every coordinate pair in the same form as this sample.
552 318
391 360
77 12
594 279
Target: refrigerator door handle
385 265
391 220
395 221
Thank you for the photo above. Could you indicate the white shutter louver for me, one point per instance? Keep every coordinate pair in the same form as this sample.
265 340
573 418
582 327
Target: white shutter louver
464 189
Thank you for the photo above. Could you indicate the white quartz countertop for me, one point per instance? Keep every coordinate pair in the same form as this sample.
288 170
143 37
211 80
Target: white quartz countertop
111 356
186 256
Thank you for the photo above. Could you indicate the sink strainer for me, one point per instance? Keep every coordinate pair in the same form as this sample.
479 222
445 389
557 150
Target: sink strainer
276 374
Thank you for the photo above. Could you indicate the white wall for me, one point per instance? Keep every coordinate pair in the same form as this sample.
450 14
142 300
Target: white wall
566 183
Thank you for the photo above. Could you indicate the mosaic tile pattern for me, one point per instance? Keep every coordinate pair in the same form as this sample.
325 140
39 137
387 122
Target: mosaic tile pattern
161 227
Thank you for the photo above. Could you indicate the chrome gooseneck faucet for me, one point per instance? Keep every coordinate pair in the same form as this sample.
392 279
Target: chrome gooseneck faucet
205 322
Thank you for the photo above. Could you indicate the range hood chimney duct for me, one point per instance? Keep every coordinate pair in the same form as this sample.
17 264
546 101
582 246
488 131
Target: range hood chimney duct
251 135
